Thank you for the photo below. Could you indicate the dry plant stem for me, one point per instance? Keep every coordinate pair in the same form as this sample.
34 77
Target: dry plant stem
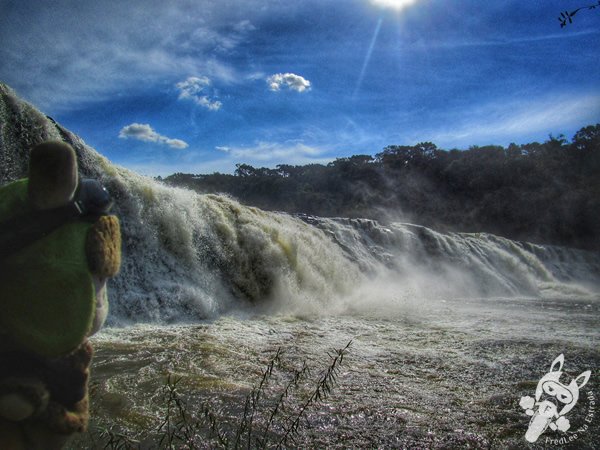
321 392
293 383
178 428
253 399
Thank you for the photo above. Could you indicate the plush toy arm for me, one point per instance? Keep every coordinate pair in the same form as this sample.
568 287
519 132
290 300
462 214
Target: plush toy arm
103 247
67 410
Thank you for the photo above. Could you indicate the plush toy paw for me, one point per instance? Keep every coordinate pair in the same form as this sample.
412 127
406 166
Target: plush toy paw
527 402
22 398
103 247
563 424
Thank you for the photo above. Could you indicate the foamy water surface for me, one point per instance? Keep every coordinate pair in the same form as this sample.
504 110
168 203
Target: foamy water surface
427 374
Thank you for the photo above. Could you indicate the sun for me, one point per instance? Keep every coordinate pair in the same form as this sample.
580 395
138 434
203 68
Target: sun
393 4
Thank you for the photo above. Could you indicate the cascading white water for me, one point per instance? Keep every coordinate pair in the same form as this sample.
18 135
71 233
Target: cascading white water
433 264
189 256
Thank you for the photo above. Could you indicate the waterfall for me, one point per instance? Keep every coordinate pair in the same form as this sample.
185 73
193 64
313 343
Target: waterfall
188 256
463 264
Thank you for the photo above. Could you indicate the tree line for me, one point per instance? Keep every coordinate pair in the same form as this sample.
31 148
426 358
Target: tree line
542 192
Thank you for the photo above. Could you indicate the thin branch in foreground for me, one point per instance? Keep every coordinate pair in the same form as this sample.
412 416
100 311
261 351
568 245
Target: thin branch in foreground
294 382
253 399
567 17
272 416
321 392
114 440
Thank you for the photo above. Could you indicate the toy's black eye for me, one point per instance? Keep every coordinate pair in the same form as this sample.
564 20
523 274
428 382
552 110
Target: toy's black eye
549 389
563 398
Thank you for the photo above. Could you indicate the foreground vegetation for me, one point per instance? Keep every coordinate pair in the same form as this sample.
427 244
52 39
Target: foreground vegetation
543 192
274 412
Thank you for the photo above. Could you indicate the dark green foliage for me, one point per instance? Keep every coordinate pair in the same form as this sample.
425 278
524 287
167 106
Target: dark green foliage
543 192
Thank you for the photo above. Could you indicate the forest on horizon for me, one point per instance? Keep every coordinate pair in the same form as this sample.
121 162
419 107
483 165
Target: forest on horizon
541 192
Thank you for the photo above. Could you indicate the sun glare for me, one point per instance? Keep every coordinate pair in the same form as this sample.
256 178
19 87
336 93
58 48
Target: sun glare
393 4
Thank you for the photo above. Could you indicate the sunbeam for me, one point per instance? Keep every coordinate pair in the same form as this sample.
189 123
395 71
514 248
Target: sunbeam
367 58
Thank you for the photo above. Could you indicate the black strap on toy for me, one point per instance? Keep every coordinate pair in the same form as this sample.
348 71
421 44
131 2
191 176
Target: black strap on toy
91 201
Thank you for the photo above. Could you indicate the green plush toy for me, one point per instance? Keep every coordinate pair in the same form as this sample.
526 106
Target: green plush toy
58 246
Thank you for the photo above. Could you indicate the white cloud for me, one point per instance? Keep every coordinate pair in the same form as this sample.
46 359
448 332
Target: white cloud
244 26
504 122
273 153
262 154
194 88
144 132
290 80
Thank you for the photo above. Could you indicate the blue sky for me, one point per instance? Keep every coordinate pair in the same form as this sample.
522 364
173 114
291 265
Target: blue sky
198 86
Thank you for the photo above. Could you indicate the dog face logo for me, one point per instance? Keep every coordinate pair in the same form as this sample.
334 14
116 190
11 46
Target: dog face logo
553 400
